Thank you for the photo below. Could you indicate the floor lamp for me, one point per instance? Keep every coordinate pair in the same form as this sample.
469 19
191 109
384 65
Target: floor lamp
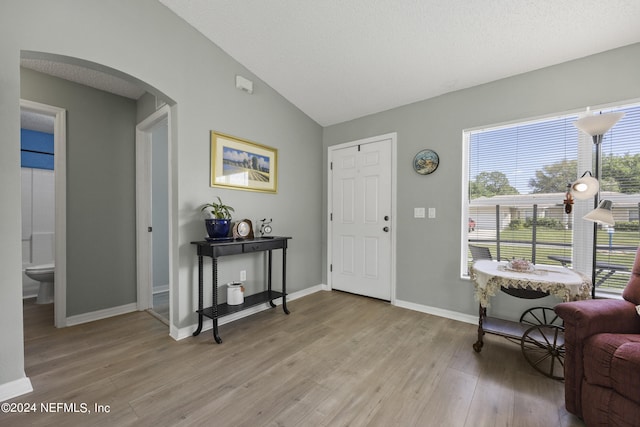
595 125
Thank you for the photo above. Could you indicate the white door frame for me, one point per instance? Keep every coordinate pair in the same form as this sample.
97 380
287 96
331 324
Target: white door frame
60 214
143 209
394 138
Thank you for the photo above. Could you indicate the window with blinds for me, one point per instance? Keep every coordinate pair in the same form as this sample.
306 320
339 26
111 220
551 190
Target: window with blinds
515 185
620 183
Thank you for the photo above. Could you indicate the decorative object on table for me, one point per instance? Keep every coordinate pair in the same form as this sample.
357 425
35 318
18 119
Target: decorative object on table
220 222
520 265
265 227
243 165
243 229
426 162
235 293
596 125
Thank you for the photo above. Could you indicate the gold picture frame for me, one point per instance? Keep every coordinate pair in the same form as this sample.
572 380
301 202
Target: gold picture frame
244 165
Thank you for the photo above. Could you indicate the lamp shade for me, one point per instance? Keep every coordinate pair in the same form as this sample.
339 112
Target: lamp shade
602 214
597 124
584 188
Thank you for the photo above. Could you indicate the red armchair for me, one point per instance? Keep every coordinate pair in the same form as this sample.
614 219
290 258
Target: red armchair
602 359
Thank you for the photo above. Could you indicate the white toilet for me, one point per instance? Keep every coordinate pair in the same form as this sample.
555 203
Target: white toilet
44 274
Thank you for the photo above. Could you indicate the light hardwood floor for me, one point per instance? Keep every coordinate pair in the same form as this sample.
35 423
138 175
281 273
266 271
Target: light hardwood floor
161 306
337 360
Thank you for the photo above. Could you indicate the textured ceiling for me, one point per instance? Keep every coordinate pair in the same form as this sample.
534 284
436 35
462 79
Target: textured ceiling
337 60
85 76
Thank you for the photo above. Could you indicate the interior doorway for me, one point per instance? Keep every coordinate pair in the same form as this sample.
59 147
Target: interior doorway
57 126
153 214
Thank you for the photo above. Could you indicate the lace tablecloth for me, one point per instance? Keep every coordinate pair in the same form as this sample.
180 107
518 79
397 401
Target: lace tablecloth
489 276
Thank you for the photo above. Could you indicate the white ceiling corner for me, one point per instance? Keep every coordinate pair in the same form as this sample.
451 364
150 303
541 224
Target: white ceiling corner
337 60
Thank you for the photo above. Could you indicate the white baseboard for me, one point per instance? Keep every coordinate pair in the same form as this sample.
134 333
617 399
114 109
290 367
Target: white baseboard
181 333
101 314
454 315
160 289
15 388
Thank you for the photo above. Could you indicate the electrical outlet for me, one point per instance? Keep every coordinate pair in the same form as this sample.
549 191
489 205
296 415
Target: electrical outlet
243 275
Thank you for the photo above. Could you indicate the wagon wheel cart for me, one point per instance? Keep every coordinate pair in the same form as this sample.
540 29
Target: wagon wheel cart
543 347
539 331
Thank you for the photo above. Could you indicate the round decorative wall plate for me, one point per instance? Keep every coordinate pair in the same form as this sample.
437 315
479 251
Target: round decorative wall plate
426 162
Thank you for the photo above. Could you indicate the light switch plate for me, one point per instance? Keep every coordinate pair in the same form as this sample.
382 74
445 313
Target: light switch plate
418 213
432 212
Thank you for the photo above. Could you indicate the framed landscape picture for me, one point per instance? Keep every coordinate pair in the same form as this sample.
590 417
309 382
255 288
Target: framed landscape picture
244 165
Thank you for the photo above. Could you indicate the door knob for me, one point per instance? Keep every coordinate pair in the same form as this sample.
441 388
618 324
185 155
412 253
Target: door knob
386 229
386 217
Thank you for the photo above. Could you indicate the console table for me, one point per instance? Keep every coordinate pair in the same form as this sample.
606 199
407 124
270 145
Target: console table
226 247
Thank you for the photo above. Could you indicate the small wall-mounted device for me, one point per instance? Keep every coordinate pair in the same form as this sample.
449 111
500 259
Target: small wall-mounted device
244 84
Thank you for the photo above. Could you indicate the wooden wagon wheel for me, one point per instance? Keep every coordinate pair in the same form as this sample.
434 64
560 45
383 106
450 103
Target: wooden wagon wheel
543 347
540 316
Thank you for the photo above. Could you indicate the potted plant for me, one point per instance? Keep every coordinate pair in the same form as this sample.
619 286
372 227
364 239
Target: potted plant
220 222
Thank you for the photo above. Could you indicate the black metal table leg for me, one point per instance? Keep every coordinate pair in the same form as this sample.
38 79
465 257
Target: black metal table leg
477 346
269 270
284 279
214 306
200 296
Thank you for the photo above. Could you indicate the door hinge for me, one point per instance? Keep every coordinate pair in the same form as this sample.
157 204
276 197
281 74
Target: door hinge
358 147
331 166
331 268
149 229
331 216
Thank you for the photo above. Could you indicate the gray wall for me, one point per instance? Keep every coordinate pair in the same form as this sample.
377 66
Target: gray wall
199 79
11 350
101 244
428 271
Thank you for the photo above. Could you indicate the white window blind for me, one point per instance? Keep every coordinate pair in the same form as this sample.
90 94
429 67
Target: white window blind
620 183
516 183
517 179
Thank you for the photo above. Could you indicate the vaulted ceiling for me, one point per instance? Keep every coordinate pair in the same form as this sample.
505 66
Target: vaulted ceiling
337 60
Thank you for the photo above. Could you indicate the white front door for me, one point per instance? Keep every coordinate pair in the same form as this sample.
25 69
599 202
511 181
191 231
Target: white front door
361 208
